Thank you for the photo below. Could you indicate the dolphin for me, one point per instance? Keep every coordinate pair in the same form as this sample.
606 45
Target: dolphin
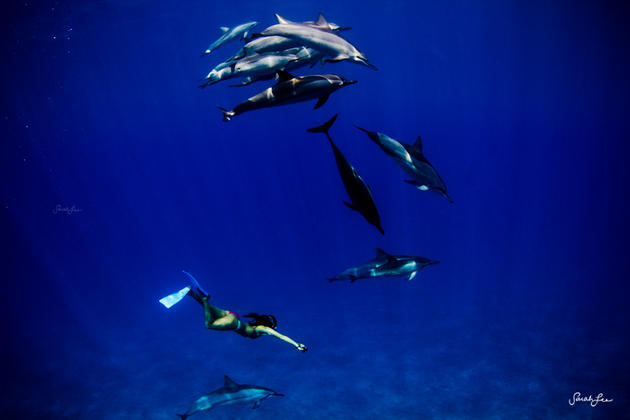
303 57
254 67
386 265
291 89
412 160
230 34
324 41
359 192
231 393
263 64
320 23
265 44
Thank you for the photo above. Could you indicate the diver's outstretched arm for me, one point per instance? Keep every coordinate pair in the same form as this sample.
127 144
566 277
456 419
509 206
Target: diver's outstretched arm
270 331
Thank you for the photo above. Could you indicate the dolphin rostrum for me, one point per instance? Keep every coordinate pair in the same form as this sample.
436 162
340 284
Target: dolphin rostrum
230 34
291 89
359 192
325 41
412 160
386 265
231 393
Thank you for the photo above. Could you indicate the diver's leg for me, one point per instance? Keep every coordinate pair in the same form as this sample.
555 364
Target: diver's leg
211 313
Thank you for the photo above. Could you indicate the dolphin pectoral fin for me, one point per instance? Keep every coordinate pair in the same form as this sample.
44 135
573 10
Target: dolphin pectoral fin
224 29
256 405
412 275
412 182
182 416
352 206
321 101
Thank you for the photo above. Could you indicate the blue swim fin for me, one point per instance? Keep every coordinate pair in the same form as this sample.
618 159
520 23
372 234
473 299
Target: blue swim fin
172 299
195 284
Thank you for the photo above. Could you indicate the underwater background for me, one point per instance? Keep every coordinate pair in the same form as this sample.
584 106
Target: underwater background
523 109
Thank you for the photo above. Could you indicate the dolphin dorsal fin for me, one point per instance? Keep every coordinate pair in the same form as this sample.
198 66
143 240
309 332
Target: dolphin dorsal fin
381 253
321 20
228 383
283 76
224 29
282 20
418 144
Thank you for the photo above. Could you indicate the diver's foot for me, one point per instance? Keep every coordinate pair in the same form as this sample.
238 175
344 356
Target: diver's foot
194 286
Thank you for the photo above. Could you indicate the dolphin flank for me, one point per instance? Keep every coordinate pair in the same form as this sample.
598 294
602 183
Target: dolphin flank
291 89
231 393
239 31
386 265
411 159
360 195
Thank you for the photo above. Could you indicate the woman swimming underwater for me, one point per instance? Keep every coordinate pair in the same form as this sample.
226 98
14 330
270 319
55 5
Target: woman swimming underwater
222 320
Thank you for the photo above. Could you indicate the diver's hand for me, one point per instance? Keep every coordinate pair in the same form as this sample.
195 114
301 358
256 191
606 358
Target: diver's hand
302 348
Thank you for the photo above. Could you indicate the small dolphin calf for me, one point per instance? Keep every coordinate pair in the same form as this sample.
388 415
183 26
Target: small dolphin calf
412 160
291 89
360 195
323 40
231 393
239 31
386 265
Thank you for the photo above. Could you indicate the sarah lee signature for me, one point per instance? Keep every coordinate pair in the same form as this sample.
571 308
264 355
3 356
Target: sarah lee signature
66 210
577 397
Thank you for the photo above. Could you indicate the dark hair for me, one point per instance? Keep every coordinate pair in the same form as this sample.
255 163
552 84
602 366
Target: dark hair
266 320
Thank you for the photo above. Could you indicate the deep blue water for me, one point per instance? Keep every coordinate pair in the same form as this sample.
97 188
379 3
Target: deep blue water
523 108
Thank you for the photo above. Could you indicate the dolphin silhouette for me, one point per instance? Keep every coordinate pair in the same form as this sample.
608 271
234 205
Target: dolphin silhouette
231 393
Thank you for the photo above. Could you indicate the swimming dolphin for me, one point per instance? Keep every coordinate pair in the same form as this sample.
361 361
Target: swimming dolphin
324 41
265 44
359 192
254 67
230 34
320 23
386 265
412 160
231 393
303 57
291 89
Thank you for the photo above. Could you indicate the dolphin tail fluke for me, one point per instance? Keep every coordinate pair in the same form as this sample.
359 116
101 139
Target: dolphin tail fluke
227 115
324 127
380 229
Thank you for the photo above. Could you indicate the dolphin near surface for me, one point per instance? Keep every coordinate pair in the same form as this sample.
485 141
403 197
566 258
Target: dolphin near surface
229 34
320 38
359 192
291 89
231 393
411 159
386 265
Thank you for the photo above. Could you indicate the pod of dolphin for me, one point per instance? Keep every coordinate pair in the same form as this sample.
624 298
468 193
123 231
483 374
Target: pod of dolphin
271 54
